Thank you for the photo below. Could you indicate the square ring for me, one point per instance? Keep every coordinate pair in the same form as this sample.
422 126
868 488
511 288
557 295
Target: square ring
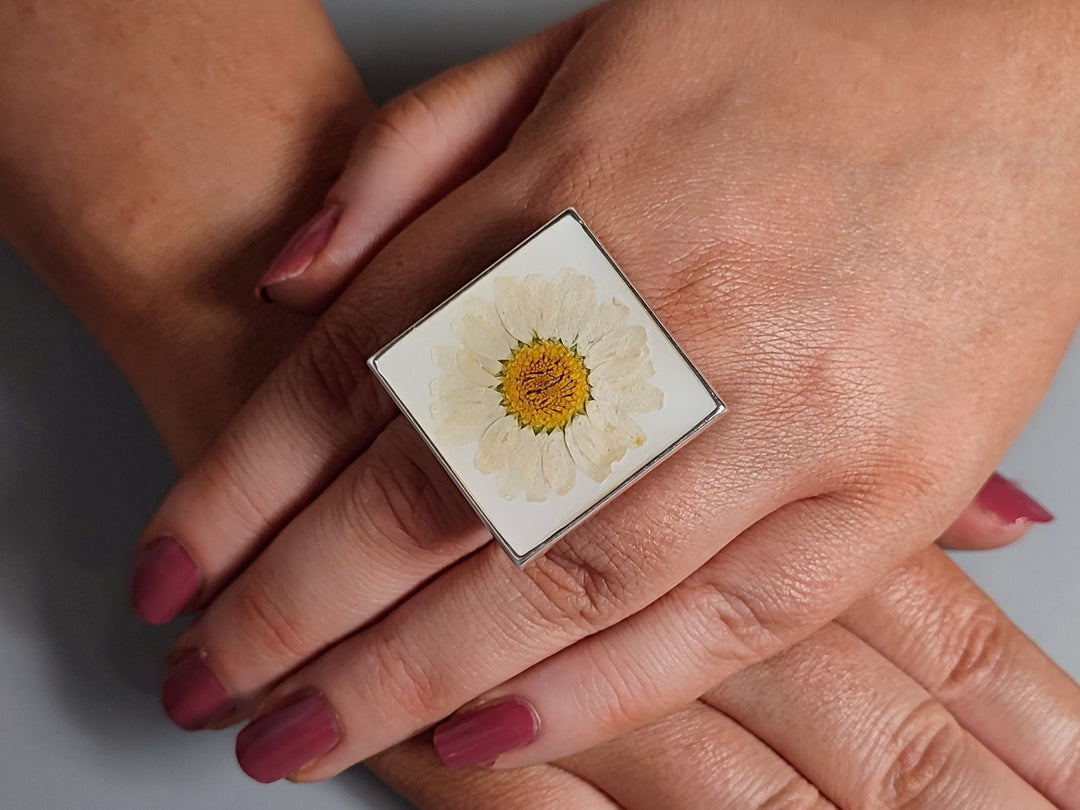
546 386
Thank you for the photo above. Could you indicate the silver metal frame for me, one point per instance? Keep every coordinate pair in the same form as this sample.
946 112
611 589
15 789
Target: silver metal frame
521 560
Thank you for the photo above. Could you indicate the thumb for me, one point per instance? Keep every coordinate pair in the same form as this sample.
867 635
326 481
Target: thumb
416 149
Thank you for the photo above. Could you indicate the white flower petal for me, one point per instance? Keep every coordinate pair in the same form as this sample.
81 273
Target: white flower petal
514 305
620 344
457 435
482 332
559 468
545 305
623 371
537 488
453 383
577 304
445 357
461 415
497 443
637 398
617 429
470 368
588 449
522 472
453 389
606 318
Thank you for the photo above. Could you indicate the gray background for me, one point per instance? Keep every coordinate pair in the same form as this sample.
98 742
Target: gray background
80 470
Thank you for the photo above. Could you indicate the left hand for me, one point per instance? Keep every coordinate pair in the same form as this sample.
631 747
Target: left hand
845 386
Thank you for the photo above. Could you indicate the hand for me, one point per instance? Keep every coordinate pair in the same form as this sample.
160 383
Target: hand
846 387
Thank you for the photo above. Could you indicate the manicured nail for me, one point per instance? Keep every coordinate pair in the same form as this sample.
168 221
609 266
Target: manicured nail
279 743
483 735
164 581
301 250
1010 504
192 695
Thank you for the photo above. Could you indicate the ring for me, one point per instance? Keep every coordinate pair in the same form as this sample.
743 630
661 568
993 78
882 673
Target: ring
546 386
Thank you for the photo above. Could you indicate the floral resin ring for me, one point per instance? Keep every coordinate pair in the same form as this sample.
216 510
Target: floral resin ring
546 386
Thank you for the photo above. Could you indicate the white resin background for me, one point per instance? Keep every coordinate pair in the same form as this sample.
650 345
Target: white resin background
80 470
408 367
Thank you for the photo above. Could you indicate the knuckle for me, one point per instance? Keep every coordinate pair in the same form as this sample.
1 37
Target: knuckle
408 122
924 756
403 683
270 623
732 627
973 651
795 794
331 369
406 500
579 592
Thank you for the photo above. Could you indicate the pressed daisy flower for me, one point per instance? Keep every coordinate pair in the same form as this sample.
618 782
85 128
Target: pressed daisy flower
543 383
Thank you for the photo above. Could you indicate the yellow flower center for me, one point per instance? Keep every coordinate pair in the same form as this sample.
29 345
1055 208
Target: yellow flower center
545 384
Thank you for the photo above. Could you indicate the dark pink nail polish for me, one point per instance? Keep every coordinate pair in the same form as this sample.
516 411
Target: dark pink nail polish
276 744
301 250
1010 504
191 694
164 581
484 734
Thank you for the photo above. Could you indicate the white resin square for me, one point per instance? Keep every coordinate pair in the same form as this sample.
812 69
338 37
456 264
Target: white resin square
545 386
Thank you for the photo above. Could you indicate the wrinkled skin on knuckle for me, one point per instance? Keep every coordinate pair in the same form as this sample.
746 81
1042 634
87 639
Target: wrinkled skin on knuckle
263 616
580 591
797 794
974 650
330 375
923 760
399 680
732 629
403 498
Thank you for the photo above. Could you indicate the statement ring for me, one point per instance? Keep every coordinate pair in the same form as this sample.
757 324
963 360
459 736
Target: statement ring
546 386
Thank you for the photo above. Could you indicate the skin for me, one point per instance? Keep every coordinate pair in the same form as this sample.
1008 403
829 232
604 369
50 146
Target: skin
697 754
865 240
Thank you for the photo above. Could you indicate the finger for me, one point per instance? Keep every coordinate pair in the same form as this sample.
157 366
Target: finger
318 410
696 757
414 771
832 699
481 622
737 609
1000 514
390 521
415 150
934 623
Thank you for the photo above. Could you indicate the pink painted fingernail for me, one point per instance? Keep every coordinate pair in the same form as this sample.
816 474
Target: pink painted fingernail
1010 504
301 250
486 733
278 743
191 694
164 581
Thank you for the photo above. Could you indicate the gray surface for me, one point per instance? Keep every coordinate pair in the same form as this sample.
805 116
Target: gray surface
80 470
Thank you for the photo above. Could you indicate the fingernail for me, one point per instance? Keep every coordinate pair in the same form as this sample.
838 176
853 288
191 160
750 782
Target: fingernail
279 743
164 581
301 250
1010 504
484 734
192 695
